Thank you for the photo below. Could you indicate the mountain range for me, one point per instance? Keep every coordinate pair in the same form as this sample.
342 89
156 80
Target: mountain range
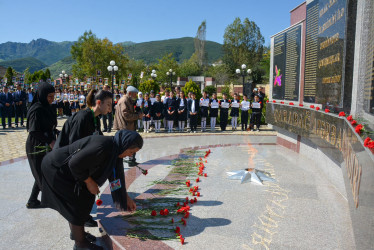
41 53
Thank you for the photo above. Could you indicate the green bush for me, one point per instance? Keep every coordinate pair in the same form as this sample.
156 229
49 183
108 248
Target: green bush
192 87
149 85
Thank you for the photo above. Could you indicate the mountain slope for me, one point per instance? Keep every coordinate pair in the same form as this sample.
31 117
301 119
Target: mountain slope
22 63
181 48
46 51
64 64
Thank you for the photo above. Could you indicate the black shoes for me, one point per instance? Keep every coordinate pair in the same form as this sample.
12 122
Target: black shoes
90 222
89 237
34 204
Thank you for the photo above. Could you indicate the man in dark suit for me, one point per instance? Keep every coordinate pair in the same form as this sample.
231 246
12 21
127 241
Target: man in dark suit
193 109
19 98
6 102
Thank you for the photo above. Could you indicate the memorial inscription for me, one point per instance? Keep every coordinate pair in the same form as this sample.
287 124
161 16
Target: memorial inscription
287 48
325 52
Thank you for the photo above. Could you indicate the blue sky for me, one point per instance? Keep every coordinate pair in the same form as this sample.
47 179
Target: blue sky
137 21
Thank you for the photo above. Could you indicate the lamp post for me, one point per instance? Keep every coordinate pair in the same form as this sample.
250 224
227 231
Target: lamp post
112 68
171 73
63 77
243 73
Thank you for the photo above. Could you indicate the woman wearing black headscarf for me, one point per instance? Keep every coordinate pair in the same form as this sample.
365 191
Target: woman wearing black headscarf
41 125
72 176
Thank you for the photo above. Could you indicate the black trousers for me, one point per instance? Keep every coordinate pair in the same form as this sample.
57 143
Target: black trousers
66 109
244 119
193 122
19 114
224 116
6 112
256 119
108 117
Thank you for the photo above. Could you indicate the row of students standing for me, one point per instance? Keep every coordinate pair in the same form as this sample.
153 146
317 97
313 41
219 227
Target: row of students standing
180 111
68 103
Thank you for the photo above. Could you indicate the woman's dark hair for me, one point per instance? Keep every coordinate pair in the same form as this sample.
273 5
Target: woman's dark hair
95 95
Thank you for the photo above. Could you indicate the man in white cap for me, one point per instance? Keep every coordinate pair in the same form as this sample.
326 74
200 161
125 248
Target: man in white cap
125 115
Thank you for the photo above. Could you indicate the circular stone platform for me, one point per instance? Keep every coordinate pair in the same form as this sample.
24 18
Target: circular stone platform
300 210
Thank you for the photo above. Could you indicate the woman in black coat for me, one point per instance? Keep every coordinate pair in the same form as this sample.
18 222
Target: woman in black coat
73 174
171 112
182 112
86 122
41 125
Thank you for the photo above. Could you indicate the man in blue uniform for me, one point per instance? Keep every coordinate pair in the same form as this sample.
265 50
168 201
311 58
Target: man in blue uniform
6 101
19 98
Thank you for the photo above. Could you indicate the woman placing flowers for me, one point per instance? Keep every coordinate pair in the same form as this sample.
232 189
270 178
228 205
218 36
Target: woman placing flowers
72 176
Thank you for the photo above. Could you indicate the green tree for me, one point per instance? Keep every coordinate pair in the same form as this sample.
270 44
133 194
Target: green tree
190 67
47 74
226 90
92 54
135 67
191 86
243 44
147 86
9 75
220 73
210 90
26 74
164 64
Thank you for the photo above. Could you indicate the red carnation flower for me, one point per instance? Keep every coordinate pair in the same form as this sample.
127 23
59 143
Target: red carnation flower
301 105
187 199
197 180
153 213
342 114
169 108
311 106
172 220
282 102
350 118
162 212
145 172
195 199
327 110
178 205
367 141
359 128
354 122
267 101
99 202
183 221
177 230
317 108
191 201
198 194
205 175
166 211
371 145
182 240
186 215
291 103
134 106
274 101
